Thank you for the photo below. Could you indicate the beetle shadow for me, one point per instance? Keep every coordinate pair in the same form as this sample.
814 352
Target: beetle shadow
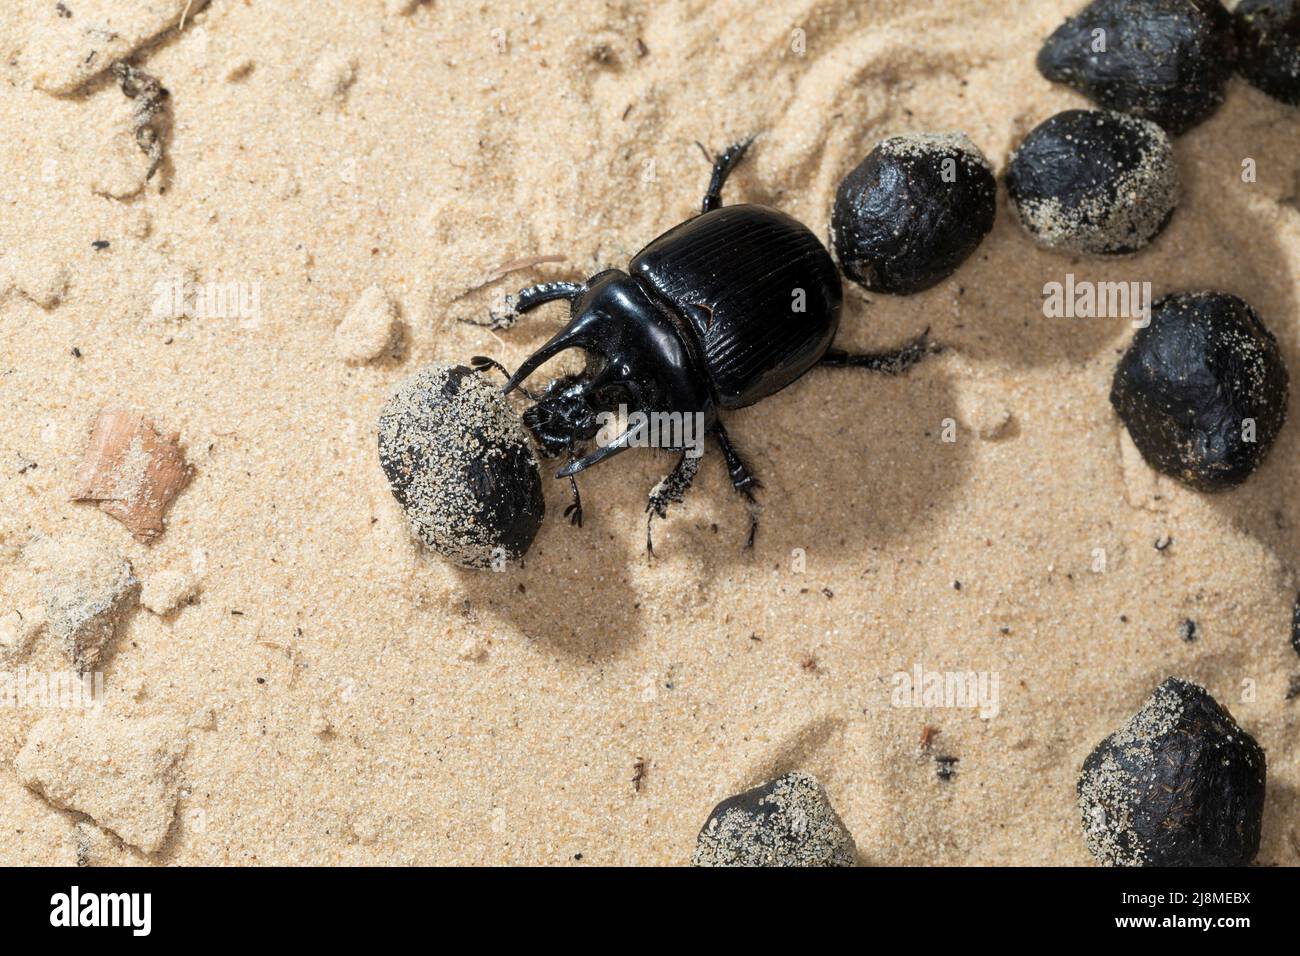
571 596
1248 259
849 460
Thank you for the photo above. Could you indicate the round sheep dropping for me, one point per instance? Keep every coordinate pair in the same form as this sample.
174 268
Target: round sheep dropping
1179 785
461 466
786 822
1202 390
912 212
1268 40
1094 183
1164 60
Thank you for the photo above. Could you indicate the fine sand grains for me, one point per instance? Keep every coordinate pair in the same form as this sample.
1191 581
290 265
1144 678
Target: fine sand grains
120 772
352 699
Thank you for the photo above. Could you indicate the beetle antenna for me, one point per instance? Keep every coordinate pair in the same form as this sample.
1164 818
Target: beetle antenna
481 362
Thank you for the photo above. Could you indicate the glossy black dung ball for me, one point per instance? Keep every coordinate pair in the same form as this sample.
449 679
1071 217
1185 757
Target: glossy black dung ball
1094 182
1268 44
1179 785
1165 60
786 822
460 464
912 212
1202 390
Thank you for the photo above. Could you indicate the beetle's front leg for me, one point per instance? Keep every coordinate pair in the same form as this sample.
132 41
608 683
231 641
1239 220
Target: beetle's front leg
529 298
742 479
671 490
892 362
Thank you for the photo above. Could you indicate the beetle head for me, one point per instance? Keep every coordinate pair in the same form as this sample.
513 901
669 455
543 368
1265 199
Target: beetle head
562 418
636 362
574 409
609 326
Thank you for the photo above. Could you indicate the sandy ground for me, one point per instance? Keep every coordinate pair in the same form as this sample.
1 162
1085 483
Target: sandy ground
334 696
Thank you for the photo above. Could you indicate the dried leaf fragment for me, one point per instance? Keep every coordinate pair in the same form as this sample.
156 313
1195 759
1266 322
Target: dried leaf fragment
132 471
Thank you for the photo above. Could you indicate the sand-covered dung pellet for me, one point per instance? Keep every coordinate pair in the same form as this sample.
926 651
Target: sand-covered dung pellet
1094 182
788 821
1268 46
1180 784
1203 390
462 467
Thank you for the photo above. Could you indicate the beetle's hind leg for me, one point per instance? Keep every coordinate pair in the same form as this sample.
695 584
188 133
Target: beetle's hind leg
742 479
893 362
723 164
672 490
526 299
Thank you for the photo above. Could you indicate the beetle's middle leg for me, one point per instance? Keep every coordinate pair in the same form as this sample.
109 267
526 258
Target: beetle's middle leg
891 362
723 164
742 479
671 490
574 511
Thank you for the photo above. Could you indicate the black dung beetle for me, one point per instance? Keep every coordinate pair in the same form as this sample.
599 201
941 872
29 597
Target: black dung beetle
718 313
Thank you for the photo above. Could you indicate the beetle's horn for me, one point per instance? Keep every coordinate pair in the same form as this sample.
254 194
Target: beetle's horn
622 443
573 335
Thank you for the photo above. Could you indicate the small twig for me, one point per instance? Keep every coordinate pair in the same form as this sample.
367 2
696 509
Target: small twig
503 270
290 652
515 265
